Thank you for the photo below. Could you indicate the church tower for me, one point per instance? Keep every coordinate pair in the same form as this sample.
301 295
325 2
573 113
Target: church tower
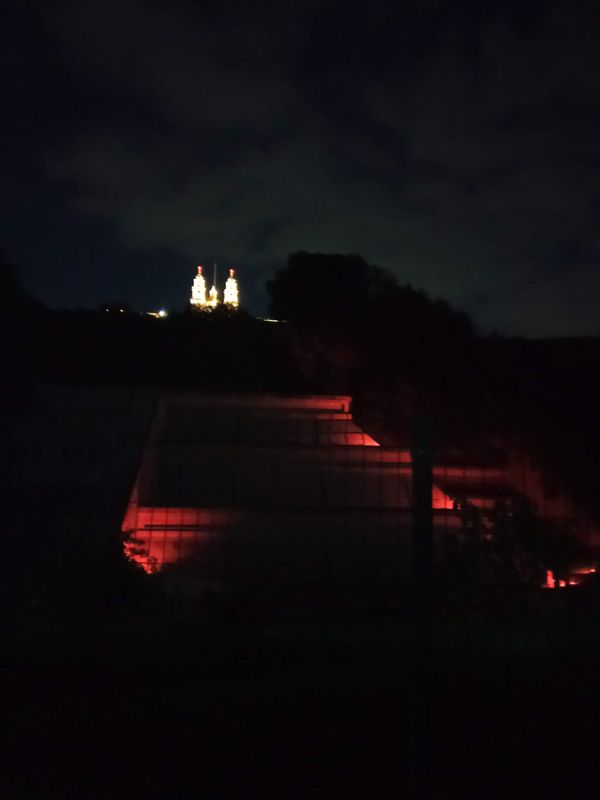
213 295
231 294
198 298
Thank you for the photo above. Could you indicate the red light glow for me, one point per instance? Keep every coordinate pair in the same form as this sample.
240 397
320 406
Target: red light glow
439 500
550 580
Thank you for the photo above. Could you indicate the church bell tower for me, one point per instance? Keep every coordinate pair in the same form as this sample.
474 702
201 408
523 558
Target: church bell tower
231 295
198 298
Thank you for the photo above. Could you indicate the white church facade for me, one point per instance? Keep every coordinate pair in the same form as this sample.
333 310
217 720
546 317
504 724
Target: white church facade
201 300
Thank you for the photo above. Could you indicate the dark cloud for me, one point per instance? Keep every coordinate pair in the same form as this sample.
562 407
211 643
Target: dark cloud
456 146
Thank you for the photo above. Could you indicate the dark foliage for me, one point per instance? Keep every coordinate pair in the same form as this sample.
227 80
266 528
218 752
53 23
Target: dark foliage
319 288
357 330
499 554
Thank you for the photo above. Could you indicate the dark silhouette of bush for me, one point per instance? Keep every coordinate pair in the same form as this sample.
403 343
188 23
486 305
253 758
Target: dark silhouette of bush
500 555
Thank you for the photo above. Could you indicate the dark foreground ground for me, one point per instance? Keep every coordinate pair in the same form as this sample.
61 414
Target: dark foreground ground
206 708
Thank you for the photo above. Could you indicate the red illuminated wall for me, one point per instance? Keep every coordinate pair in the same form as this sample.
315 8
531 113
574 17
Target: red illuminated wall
160 535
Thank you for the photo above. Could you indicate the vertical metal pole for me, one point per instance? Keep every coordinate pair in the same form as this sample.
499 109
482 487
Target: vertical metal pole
421 598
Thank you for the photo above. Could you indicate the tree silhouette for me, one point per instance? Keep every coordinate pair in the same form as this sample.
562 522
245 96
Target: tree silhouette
357 328
319 288
501 552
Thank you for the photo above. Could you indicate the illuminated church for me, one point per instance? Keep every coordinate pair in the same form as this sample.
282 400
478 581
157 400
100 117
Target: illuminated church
203 301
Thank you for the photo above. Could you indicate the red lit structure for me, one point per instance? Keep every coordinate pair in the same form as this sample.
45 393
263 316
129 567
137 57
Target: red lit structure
219 470
233 484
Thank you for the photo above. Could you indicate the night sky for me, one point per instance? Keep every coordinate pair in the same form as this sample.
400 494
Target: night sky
454 143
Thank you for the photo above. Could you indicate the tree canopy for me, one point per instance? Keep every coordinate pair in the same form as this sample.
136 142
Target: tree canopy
362 327
317 287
